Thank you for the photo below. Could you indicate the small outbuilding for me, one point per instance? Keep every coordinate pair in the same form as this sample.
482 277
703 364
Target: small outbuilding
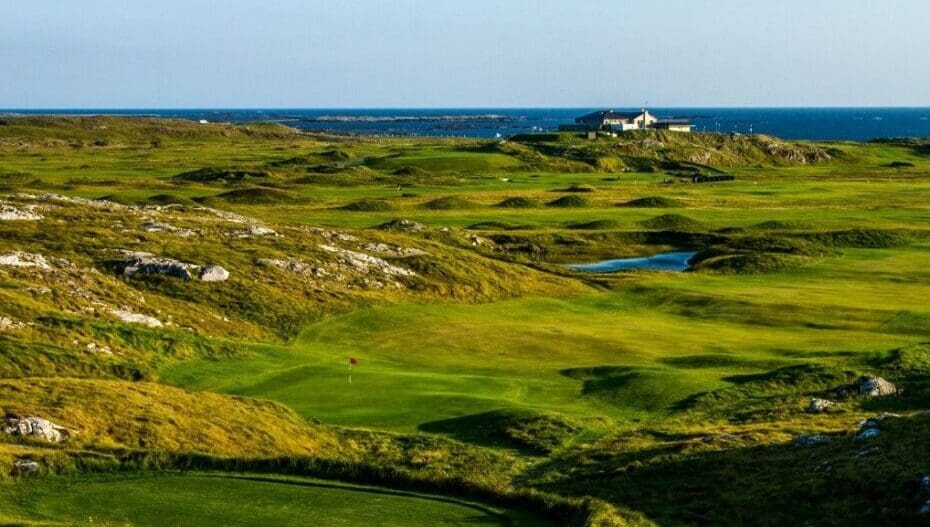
673 125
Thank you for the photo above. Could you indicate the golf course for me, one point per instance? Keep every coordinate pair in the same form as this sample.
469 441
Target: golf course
248 324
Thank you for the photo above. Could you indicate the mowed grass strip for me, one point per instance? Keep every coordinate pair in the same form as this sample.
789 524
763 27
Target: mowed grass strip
239 500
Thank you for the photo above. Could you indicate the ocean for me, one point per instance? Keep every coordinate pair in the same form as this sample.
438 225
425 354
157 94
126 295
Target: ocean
858 124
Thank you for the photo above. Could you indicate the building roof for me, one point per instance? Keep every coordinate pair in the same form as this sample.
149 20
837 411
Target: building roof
609 114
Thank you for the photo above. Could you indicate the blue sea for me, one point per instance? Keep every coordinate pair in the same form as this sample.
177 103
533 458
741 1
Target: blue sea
859 124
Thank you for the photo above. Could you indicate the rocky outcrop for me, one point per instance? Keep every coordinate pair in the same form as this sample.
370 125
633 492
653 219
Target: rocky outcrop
148 264
866 386
136 318
10 213
213 273
24 259
252 231
366 263
36 428
875 387
154 226
10 324
403 226
793 153
295 266
141 263
395 251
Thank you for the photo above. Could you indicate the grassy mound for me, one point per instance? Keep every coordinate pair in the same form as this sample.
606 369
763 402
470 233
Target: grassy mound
861 238
518 202
221 175
577 187
595 225
653 202
495 226
520 429
749 263
166 199
118 414
673 222
369 205
259 196
449 203
781 225
411 172
569 202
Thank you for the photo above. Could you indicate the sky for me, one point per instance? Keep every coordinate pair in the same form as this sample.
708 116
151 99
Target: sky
466 53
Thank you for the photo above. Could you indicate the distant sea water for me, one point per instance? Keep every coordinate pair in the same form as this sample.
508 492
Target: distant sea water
857 124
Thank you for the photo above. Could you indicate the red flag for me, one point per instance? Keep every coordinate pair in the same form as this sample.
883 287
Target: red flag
353 361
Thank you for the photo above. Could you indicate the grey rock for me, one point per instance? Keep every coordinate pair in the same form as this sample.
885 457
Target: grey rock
146 264
36 427
24 259
213 273
810 440
136 318
870 386
818 405
24 467
403 225
868 433
10 213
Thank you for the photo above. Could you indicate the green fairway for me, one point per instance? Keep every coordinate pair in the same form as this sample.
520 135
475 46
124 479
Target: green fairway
677 335
204 499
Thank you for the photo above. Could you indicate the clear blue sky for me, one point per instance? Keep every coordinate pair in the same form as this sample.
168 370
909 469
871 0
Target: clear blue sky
443 53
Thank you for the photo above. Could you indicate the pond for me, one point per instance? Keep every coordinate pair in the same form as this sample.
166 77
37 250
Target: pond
673 261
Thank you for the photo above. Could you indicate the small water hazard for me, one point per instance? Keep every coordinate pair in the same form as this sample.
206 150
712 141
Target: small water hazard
673 261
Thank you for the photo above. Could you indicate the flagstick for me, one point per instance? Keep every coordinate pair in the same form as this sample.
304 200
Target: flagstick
350 372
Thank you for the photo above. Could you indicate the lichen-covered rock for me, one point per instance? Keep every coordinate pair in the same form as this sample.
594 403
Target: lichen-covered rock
136 318
213 273
395 251
10 213
9 324
366 263
295 266
24 259
154 226
818 405
403 225
24 467
36 427
252 231
147 264
870 386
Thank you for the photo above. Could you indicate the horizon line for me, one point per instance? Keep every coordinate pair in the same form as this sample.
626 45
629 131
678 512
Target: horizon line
420 108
